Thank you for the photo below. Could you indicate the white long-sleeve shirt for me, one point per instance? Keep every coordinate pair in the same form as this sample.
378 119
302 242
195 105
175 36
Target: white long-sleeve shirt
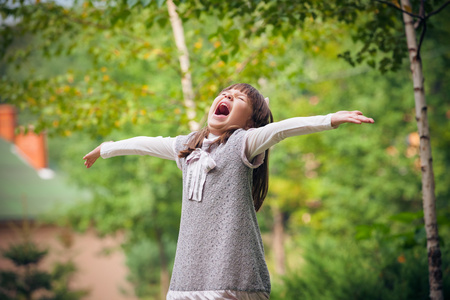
257 140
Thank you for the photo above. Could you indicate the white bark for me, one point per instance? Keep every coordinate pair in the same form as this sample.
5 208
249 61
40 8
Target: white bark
429 199
186 80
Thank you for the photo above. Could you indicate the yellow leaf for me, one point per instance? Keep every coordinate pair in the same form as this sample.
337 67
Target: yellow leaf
86 78
147 55
143 112
396 3
90 90
414 139
103 69
105 77
198 45
216 44
55 123
391 150
177 111
407 8
31 101
220 64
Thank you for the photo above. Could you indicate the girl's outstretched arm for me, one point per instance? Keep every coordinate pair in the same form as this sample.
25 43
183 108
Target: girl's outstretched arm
355 116
262 138
141 145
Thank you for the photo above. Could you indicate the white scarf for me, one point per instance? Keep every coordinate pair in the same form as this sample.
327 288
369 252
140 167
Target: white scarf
199 163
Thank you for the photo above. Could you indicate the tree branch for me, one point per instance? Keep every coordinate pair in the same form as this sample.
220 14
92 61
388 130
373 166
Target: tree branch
422 35
399 9
437 10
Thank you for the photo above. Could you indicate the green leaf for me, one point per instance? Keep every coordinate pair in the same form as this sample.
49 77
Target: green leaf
131 3
224 57
160 2
145 2
363 232
407 217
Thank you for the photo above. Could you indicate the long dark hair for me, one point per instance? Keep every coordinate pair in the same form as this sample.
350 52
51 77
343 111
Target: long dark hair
261 116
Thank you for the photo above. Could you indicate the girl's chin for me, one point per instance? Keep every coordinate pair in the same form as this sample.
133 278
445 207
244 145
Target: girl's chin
216 130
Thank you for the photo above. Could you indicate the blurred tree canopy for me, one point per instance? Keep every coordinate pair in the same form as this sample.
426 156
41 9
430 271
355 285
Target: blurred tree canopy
350 198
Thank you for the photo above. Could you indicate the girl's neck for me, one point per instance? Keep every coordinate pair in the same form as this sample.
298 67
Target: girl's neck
212 136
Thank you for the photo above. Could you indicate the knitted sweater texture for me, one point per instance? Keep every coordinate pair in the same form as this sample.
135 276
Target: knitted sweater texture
219 244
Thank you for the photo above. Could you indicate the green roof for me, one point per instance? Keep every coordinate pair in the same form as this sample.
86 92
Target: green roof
21 186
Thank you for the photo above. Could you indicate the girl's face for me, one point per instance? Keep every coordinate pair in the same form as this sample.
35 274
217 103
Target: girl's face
230 109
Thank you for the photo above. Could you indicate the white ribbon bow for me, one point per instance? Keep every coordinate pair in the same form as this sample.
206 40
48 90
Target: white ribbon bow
199 164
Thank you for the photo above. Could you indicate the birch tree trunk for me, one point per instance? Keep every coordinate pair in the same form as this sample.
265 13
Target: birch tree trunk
429 199
186 80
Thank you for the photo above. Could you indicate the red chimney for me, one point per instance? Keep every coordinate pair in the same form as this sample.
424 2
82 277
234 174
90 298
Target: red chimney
7 122
33 147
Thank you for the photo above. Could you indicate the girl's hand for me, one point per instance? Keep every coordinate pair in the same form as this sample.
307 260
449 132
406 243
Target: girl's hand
355 116
92 156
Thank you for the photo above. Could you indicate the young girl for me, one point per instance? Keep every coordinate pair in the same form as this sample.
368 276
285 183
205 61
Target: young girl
219 253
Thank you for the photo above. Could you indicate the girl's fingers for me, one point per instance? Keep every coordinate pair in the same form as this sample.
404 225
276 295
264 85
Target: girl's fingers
356 121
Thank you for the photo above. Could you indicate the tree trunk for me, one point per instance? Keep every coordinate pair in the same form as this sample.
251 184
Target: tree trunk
186 80
164 270
429 199
278 241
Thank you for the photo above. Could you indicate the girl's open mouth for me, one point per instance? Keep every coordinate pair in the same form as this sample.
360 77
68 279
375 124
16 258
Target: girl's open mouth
222 110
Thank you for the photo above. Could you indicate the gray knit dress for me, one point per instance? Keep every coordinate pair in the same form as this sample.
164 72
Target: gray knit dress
219 245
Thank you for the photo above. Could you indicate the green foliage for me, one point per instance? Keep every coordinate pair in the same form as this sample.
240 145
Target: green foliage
143 260
27 279
24 254
359 271
376 29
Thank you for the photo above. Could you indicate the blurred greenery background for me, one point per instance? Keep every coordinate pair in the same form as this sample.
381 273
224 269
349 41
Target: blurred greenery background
348 200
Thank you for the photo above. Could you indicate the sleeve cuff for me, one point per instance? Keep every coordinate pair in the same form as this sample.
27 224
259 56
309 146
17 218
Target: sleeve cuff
328 121
104 149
